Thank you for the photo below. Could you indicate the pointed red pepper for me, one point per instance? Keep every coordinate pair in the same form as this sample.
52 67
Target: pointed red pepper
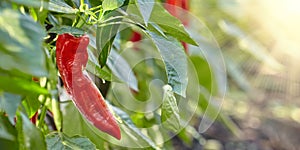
71 59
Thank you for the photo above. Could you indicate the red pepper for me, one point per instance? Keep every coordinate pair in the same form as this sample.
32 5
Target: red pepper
179 3
171 7
185 5
71 59
136 37
34 118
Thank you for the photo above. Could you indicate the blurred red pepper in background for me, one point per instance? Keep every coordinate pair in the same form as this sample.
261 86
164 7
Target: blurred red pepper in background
135 37
172 7
177 12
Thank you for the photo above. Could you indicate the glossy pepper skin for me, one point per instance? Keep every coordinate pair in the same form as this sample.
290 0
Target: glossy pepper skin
71 59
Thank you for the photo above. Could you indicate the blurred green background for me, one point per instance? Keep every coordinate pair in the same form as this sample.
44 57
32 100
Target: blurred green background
260 42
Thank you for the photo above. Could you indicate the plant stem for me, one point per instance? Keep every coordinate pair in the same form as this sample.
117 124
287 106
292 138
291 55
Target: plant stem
57 115
81 2
43 113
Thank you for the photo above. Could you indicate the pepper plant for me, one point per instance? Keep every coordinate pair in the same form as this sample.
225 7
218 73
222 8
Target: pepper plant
153 88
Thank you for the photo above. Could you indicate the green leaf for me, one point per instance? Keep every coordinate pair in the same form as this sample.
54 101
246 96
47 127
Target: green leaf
204 73
211 59
9 103
145 8
119 71
20 86
61 7
134 130
32 3
53 5
31 104
93 67
8 134
99 72
105 36
62 141
66 29
187 139
170 24
169 110
112 4
7 131
29 137
156 28
75 124
53 21
122 70
21 44
174 58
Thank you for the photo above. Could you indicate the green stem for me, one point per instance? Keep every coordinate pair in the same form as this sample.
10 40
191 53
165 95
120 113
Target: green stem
101 14
81 2
43 113
75 21
113 18
115 23
97 7
65 102
57 115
